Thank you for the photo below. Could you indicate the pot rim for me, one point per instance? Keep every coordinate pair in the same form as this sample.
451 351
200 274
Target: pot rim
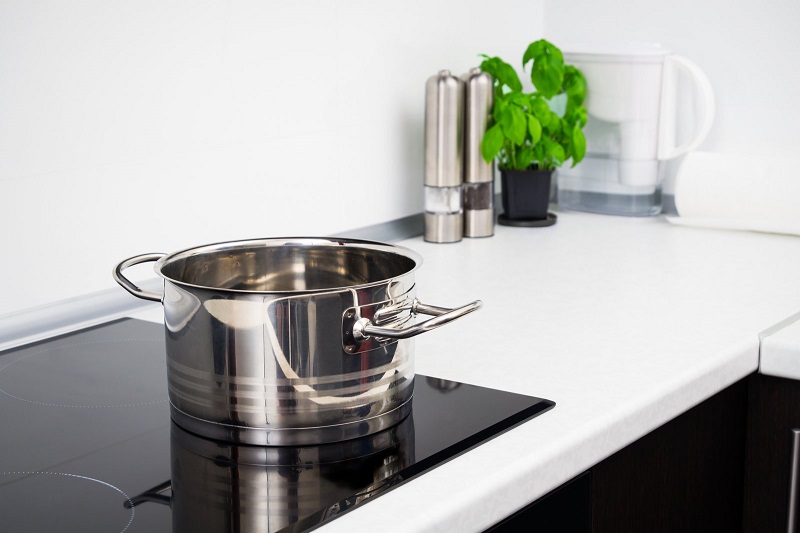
288 241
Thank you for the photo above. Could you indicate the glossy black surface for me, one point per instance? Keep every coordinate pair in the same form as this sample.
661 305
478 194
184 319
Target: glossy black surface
86 430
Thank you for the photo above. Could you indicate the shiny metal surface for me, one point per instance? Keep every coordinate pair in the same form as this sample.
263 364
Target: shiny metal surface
228 488
478 110
478 174
478 223
479 209
444 149
128 285
278 436
255 338
363 328
444 228
444 130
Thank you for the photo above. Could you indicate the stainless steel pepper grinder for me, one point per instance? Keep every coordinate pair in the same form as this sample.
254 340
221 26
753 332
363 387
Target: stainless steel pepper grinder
478 174
444 170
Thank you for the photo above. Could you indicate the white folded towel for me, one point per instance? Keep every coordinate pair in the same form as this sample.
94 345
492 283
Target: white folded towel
738 192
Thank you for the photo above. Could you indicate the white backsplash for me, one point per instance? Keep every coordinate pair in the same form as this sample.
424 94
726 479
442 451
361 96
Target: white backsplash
151 126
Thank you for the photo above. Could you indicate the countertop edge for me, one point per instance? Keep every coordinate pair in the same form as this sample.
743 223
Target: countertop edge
780 349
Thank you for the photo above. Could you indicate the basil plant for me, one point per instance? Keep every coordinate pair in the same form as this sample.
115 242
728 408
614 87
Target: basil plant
541 129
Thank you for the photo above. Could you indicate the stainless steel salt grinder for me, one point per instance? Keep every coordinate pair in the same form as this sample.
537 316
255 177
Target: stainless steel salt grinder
444 170
478 174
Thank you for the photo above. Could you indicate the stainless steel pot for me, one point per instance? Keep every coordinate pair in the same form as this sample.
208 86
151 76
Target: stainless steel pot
290 341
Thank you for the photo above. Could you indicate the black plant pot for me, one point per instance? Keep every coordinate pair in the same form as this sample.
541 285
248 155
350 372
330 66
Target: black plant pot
526 193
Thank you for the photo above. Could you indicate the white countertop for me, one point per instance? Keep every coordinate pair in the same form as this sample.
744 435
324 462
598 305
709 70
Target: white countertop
624 323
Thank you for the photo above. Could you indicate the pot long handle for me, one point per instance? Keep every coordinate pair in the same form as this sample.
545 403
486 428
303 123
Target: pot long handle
364 328
128 285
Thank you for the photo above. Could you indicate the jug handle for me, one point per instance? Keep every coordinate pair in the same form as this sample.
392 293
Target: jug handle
666 123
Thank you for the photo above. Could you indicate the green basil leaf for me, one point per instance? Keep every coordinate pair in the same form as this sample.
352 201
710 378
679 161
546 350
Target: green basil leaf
492 143
553 124
503 73
541 48
506 119
554 51
508 76
514 124
557 152
540 109
574 86
539 155
489 65
534 128
524 158
500 105
534 50
580 116
578 145
547 75
520 99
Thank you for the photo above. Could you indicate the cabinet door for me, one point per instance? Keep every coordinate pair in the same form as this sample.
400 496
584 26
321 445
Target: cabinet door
685 476
773 412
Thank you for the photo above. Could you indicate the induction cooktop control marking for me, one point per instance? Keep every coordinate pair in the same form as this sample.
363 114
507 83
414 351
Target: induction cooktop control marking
83 406
76 476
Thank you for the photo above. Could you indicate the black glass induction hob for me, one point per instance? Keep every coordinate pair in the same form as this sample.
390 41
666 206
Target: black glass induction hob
87 444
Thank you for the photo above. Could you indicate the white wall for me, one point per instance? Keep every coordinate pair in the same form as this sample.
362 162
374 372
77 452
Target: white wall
747 49
130 127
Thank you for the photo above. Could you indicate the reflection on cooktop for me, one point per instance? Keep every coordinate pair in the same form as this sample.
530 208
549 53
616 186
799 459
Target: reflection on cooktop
88 445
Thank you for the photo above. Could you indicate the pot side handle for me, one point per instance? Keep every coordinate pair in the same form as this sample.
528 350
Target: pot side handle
128 285
364 328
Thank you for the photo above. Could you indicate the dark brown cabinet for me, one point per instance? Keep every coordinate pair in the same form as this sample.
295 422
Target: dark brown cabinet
774 411
685 476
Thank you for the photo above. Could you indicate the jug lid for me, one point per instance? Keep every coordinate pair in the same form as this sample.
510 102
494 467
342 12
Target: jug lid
616 51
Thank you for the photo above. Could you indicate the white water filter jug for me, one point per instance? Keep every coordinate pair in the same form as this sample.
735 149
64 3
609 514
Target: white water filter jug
633 105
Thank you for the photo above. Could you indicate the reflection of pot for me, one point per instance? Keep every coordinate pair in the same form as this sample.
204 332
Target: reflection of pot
290 341
442 385
219 487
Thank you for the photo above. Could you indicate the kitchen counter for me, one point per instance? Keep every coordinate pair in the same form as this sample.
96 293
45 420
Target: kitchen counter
624 323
